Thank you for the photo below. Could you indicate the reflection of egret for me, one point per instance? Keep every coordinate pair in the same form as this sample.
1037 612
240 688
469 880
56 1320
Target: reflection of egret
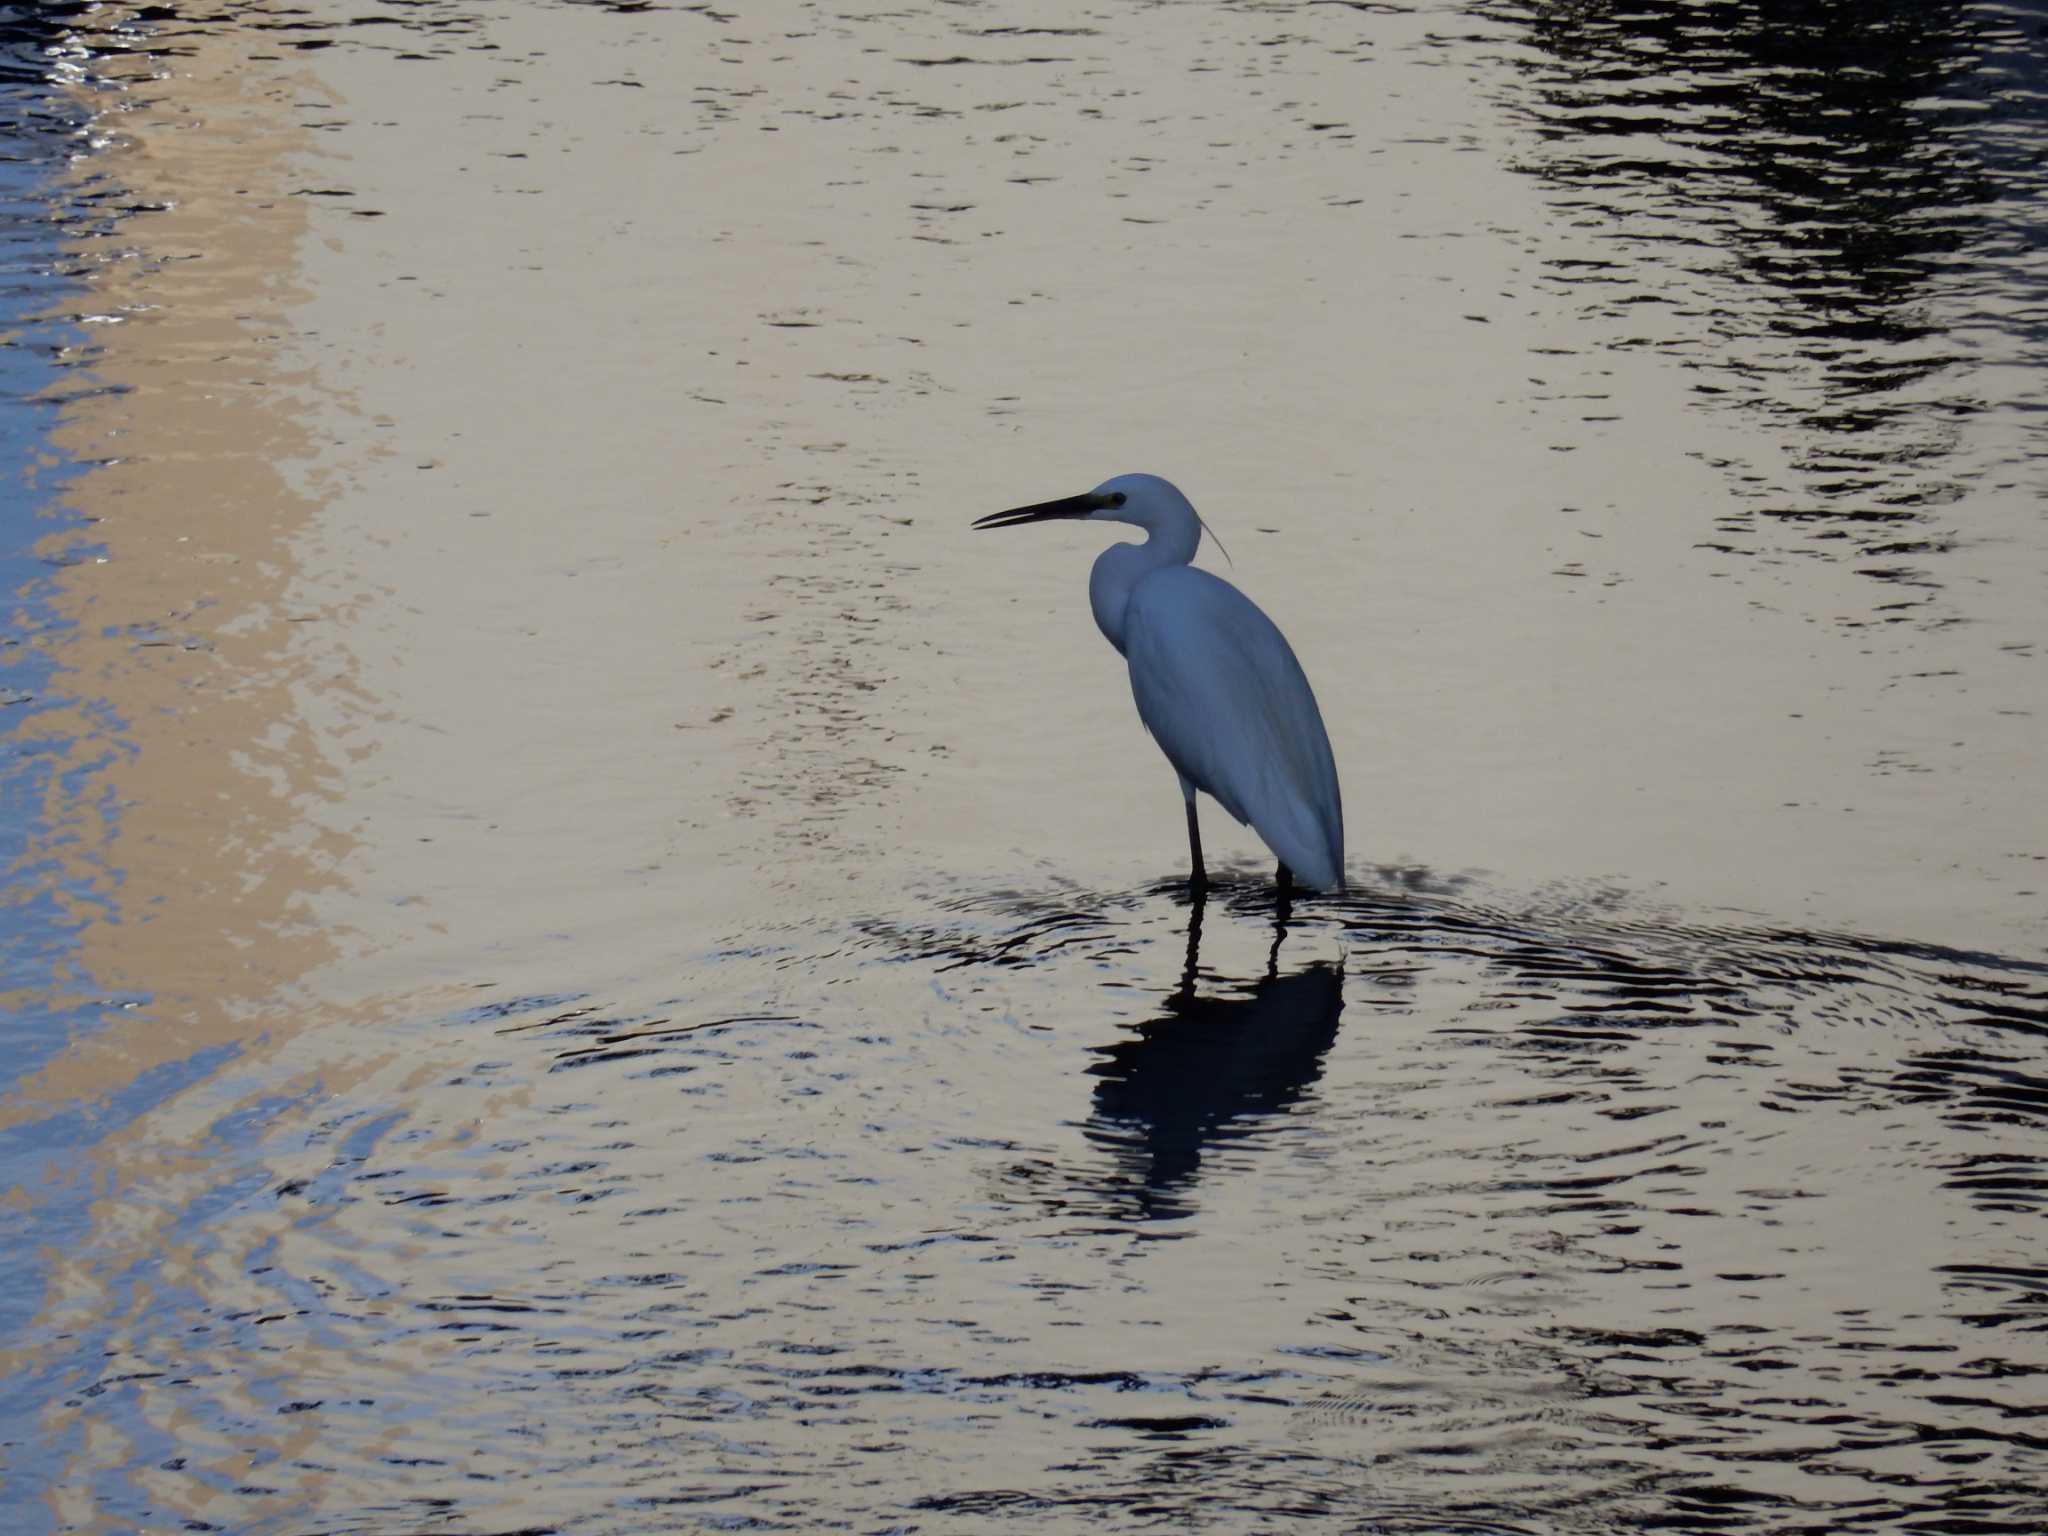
1217 684
1212 1069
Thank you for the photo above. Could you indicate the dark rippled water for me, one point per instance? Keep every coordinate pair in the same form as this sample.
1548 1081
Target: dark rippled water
1434 1216
1831 216
929 1184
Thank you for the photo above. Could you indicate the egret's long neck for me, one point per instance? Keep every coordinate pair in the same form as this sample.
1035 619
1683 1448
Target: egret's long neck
1119 569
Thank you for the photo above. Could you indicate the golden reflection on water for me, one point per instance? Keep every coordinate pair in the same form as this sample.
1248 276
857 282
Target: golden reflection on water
182 658
191 838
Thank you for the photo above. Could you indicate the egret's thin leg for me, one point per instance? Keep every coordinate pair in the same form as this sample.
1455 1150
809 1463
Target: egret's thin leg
1283 878
1198 877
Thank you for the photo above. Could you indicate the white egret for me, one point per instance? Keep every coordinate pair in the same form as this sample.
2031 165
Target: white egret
1216 683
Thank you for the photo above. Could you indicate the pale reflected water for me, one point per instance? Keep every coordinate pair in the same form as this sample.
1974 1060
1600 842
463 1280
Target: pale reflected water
581 957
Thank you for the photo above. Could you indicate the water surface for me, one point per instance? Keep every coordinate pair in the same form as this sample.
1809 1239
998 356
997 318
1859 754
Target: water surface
586 958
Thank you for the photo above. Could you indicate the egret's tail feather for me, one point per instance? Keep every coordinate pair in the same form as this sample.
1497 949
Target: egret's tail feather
1300 841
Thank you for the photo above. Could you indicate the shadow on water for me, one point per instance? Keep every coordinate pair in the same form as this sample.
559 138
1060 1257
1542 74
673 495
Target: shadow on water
1571 987
1212 1069
1606 1238
1815 206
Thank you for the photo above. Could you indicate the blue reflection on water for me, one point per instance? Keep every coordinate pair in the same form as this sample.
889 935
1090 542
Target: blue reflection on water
42 207
37 1153
45 780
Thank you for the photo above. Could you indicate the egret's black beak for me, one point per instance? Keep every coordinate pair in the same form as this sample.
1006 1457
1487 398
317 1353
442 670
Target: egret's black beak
1069 506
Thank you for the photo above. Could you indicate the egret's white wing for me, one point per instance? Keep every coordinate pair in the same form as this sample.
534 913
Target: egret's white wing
1220 690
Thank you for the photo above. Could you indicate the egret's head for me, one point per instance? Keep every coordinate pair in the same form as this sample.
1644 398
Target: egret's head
1144 501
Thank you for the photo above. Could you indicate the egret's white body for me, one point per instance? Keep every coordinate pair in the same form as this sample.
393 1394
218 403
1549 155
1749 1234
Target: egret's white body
1215 681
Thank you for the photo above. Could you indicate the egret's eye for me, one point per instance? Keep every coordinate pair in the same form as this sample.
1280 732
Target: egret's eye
1116 498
